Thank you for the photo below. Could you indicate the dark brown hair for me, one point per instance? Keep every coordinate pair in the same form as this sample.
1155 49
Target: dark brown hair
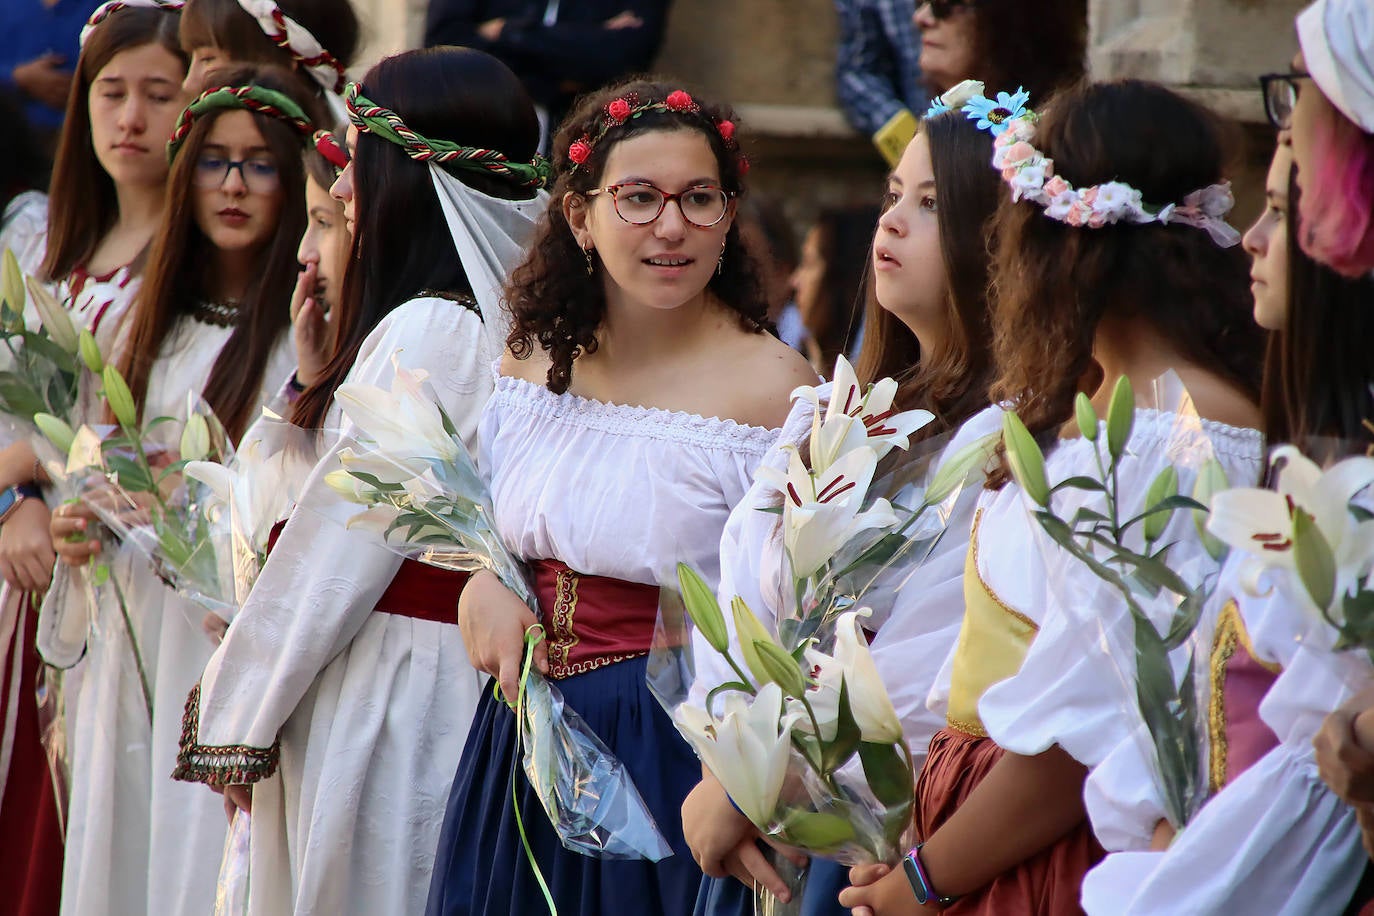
401 242
225 25
844 238
82 205
1040 46
554 302
179 255
1054 284
1318 372
952 380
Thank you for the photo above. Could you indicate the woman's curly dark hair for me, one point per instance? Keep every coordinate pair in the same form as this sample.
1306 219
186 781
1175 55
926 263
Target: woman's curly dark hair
1054 284
553 300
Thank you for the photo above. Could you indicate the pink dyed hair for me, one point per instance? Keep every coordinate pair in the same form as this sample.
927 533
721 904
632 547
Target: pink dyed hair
1337 207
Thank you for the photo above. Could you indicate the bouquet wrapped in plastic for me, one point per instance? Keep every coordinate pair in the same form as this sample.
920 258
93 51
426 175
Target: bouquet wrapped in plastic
799 729
41 359
1122 582
422 496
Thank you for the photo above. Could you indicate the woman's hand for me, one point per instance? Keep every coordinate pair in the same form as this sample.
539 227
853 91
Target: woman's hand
493 622
26 548
237 798
1345 762
1163 836
69 529
311 327
722 839
879 890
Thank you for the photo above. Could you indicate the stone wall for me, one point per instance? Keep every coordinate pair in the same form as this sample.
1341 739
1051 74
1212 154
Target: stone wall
774 59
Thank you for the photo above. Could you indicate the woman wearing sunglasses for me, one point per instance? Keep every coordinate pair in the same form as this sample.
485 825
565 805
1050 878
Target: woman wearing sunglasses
1037 46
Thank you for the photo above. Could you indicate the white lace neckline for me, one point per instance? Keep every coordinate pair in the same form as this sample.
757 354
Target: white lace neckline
634 419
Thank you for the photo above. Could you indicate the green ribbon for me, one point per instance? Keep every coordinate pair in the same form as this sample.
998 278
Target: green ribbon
533 636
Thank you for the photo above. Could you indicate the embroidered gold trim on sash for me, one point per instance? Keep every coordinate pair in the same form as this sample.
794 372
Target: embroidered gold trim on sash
1230 633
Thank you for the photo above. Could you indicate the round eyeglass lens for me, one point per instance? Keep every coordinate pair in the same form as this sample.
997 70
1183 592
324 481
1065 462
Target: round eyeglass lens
641 203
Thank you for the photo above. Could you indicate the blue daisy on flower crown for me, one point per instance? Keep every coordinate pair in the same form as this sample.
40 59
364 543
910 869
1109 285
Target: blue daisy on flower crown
992 115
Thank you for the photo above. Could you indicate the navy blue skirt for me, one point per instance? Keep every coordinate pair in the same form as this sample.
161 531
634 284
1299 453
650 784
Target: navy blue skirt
821 896
481 868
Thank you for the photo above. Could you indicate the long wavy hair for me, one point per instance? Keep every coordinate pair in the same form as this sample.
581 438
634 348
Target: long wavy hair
1054 284
558 306
82 205
176 269
952 379
401 241
225 25
1318 372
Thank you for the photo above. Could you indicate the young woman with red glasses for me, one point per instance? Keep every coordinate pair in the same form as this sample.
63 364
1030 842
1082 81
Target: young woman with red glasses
637 395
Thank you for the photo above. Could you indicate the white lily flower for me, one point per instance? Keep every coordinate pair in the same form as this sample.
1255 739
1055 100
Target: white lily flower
85 451
376 519
746 748
385 467
822 513
854 419
404 420
1260 522
853 664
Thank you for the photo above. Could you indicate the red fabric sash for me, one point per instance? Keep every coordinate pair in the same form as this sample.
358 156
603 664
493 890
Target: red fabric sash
417 590
592 621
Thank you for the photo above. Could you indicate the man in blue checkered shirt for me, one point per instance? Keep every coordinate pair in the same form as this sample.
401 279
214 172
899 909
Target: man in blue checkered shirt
878 69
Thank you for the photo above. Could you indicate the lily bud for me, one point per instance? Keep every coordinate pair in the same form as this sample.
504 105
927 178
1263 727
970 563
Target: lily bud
955 470
750 632
1085 415
12 282
703 608
56 430
781 667
346 485
1120 418
195 438
1162 487
1025 458
1211 479
90 352
1314 559
54 317
120 398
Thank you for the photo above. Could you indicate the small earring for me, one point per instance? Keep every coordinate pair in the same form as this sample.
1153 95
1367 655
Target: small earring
720 262
591 268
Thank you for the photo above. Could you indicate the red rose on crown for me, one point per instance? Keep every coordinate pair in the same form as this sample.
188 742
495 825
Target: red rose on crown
727 129
618 110
580 150
678 100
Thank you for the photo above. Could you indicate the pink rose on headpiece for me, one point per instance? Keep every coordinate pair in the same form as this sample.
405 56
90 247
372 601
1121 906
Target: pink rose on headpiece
579 151
619 110
1056 186
678 100
726 128
743 166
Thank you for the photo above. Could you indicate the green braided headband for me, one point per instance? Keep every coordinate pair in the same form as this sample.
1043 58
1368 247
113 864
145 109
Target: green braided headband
369 117
249 98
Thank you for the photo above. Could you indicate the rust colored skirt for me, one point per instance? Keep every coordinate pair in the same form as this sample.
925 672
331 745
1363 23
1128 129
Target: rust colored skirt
1048 883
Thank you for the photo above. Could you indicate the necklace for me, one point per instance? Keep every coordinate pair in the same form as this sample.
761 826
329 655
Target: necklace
221 314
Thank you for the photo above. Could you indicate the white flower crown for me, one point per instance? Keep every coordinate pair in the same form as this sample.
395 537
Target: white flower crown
1031 177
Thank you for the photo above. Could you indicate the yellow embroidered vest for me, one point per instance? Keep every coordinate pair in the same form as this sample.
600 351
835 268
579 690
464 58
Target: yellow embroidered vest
993 641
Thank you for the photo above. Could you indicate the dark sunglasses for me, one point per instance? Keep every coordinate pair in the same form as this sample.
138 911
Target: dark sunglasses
1280 92
943 9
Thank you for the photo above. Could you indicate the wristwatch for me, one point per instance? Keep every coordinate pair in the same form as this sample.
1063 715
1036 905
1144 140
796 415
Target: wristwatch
11 498
920 884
